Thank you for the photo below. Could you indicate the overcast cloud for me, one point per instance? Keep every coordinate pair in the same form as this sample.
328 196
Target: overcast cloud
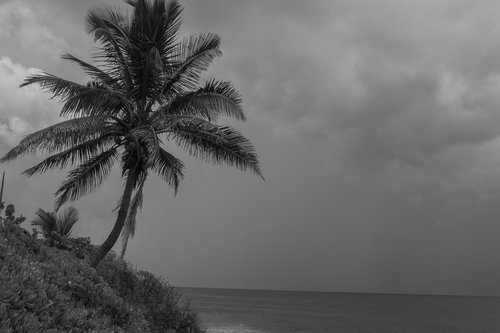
377 124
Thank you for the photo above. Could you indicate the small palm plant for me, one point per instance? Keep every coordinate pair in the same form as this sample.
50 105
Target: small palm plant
59 223
143 96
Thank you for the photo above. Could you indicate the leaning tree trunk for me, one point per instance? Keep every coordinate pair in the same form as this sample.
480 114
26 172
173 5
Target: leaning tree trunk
120 220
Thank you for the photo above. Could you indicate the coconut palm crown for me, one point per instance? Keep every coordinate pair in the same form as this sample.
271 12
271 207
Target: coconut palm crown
144 91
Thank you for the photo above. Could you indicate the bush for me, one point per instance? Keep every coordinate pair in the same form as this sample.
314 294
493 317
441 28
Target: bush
53 289
159 300
56 224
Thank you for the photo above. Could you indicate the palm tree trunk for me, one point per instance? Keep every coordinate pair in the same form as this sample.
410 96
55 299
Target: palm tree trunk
120 220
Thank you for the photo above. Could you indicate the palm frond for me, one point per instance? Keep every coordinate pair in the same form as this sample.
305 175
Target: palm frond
140 53
76 154
209 102
169 167
124 246
128 230
135 206
94 101
171 22
147 68
216 144
93 71
194 55
114 40
154 47
66 220
110 18
59 136
61 223
57 87
146 65
159 22
46 221
86 177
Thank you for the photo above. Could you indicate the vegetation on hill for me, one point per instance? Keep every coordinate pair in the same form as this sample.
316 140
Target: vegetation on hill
47 285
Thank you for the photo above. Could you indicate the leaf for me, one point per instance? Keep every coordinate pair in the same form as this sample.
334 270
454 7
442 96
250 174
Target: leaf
115 42
93 101
92 70
216 144
46 221
194 55
209 102
66 220
86 177
74 155
54 85
169 168
59 136
128 230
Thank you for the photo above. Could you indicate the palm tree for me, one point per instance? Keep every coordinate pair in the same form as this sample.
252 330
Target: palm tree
59 222
143 93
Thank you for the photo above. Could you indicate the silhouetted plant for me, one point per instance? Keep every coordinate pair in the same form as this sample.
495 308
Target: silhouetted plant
59 223
11 222
17 236
146 93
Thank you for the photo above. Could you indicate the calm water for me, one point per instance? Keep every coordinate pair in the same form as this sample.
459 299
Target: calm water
255 311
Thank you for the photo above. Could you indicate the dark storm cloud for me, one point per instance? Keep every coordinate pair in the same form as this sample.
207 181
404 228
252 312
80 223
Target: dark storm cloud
399 73
384 82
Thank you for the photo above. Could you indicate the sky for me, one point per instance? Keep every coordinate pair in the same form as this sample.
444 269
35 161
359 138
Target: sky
377 125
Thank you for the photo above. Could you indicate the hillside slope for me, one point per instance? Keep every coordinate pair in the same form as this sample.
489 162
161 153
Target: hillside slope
48 286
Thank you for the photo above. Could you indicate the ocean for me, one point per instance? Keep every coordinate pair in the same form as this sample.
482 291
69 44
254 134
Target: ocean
257 311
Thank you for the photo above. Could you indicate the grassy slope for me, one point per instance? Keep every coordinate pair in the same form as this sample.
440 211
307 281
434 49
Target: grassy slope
49 287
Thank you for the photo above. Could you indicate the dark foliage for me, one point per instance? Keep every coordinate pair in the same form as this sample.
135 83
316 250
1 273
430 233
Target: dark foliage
46 288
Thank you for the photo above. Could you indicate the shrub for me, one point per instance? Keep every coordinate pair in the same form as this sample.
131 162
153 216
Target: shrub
55 290
153 294
52 223
50 287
